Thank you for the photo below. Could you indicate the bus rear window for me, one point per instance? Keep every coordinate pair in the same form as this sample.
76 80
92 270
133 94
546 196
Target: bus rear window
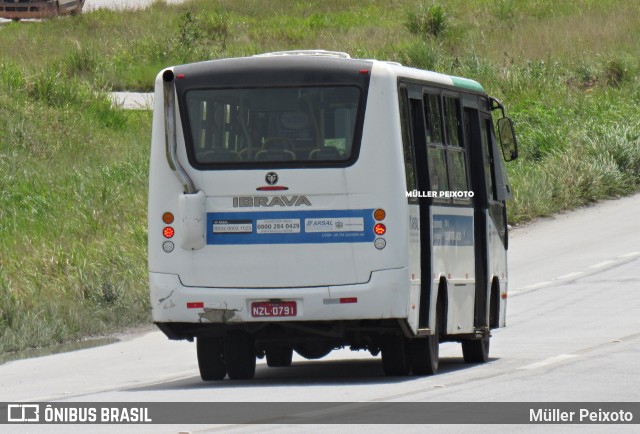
296 125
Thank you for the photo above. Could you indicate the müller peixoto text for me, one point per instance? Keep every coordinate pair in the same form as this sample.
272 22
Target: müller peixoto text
583 415
440 194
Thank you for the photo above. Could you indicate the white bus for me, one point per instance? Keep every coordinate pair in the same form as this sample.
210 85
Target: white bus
307 201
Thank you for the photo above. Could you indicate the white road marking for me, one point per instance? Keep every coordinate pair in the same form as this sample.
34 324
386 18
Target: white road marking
549 361
577 274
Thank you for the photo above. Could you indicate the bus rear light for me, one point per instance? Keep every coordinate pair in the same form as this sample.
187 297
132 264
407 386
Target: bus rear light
168 232
167 218
272 188
168 246
380 243
380 229
379 214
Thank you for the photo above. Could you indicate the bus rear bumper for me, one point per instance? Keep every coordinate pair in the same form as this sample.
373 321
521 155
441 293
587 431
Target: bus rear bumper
385 296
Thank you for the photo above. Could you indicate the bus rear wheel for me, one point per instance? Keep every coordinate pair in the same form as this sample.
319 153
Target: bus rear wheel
424 354
239 355
477 350
394 356
279 357
210 359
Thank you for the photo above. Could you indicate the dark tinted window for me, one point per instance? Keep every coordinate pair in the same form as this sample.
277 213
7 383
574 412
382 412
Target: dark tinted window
437 169
266 125
405 119
432 117
452 121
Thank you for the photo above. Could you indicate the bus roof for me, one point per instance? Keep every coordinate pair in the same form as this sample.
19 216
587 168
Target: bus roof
293 57
460 82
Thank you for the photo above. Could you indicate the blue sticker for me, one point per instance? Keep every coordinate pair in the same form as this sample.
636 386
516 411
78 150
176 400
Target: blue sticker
452 230
290 227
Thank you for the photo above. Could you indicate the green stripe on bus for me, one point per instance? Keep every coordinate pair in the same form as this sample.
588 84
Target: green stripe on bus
467 84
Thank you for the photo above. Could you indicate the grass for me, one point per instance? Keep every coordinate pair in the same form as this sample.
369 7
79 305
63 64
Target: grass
73 175
73 170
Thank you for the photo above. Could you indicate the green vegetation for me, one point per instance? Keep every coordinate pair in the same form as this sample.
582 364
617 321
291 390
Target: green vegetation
73 169
73 178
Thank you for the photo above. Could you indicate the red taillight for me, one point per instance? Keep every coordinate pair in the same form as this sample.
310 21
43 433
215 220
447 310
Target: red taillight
168 232
380 229
272 188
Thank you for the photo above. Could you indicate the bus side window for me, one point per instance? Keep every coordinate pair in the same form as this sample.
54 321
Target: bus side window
437 169
437 162
458 170
489 173
407 145
432 116
455 151
452 121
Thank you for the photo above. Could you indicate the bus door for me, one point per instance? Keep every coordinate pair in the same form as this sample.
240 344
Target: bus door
489 213
415 151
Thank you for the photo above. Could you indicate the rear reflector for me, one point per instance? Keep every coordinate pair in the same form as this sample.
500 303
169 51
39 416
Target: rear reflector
343 300
195 305
348 300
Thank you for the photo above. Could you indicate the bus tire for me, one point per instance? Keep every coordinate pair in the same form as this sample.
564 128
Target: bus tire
394 356
239 355
424 354
279 357
210 359
477 350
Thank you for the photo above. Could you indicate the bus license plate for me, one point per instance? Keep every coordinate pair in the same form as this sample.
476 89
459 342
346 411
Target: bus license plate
269 308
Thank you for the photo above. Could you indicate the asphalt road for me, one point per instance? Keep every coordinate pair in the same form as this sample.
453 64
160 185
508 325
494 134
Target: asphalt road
573 333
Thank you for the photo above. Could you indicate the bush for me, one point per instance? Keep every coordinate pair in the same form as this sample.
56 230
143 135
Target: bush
430 21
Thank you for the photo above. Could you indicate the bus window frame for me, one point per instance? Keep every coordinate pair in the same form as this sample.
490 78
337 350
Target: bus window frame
183 107
408 147
458 97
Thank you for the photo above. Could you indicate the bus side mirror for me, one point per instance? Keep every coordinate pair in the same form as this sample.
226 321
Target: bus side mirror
508 140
